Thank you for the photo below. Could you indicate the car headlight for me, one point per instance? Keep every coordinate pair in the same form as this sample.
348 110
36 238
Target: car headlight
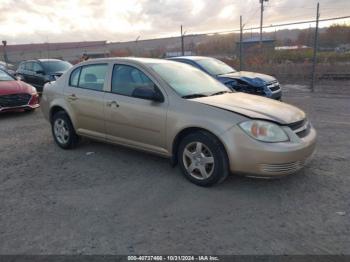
264 131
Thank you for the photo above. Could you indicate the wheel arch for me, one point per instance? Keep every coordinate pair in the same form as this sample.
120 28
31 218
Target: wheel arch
184 132
57 108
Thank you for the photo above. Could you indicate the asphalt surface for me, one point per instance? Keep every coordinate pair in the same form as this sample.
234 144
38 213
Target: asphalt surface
105 199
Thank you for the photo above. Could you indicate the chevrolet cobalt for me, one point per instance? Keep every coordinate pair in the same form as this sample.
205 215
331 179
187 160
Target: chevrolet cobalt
179 112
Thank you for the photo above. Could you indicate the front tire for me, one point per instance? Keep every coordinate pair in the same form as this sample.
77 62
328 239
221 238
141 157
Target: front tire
63 131
203 159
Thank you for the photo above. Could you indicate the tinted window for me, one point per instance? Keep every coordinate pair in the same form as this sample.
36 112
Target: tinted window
93 77
21 66
187 80
126 78
37 67
74 77
56 66
5 76
29 66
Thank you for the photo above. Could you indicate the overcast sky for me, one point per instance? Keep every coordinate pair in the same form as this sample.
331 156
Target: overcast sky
25 21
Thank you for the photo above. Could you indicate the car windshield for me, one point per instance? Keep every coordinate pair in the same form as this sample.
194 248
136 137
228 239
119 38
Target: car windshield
186 80
56 66
5 76
215 66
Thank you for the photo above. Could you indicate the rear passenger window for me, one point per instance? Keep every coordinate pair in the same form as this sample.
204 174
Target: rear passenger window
74 77
92 77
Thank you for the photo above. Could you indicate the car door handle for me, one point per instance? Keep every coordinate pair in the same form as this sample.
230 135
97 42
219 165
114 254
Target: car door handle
112 103
72 97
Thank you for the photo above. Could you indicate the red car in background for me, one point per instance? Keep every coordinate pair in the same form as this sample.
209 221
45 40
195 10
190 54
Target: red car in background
16 95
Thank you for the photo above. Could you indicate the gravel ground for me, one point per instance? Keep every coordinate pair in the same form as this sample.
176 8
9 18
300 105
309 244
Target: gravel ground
118 201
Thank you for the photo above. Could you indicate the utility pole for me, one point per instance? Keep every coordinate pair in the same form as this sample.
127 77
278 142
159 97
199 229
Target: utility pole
136 45
4 42
182 43
47 46
314 60
261 18
240 44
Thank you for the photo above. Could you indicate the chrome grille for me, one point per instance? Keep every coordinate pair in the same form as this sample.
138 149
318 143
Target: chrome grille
285 168
273 86
14 100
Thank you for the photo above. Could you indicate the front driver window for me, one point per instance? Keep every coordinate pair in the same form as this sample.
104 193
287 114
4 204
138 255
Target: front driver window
126 79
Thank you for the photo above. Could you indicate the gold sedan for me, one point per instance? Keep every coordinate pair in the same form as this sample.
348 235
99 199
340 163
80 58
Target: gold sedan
177 111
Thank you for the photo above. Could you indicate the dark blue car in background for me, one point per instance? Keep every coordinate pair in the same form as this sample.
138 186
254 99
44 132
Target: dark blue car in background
241 81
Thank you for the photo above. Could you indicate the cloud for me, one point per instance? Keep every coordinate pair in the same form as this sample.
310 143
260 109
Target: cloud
26 21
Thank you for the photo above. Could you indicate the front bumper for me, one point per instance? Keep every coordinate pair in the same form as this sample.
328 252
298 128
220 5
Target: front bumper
277 95
259 159
273 90
18 108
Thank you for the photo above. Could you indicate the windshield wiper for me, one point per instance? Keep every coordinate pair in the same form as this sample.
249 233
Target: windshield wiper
194 96
220 93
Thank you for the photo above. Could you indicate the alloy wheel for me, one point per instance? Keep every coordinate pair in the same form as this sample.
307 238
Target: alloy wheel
61 131
198 160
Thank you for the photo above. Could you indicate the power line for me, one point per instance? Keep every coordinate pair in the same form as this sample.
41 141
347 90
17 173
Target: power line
275 25
302 22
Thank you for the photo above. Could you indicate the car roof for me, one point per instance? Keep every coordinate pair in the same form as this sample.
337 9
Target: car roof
48 60
41 60
192 58
140 60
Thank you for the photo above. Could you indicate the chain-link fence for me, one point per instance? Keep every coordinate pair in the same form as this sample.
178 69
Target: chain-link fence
292 60
284 53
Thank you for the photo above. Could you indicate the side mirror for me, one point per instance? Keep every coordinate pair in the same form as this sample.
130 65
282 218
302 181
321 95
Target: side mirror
148 93
40 72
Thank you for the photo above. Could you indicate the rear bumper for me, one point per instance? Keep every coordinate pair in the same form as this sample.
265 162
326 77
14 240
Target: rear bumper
254 158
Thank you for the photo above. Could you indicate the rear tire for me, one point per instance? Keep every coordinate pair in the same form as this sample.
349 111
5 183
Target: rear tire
63 131
203 159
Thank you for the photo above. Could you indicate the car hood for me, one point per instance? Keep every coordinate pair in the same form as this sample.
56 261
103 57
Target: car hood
255 107
249 76
14 87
